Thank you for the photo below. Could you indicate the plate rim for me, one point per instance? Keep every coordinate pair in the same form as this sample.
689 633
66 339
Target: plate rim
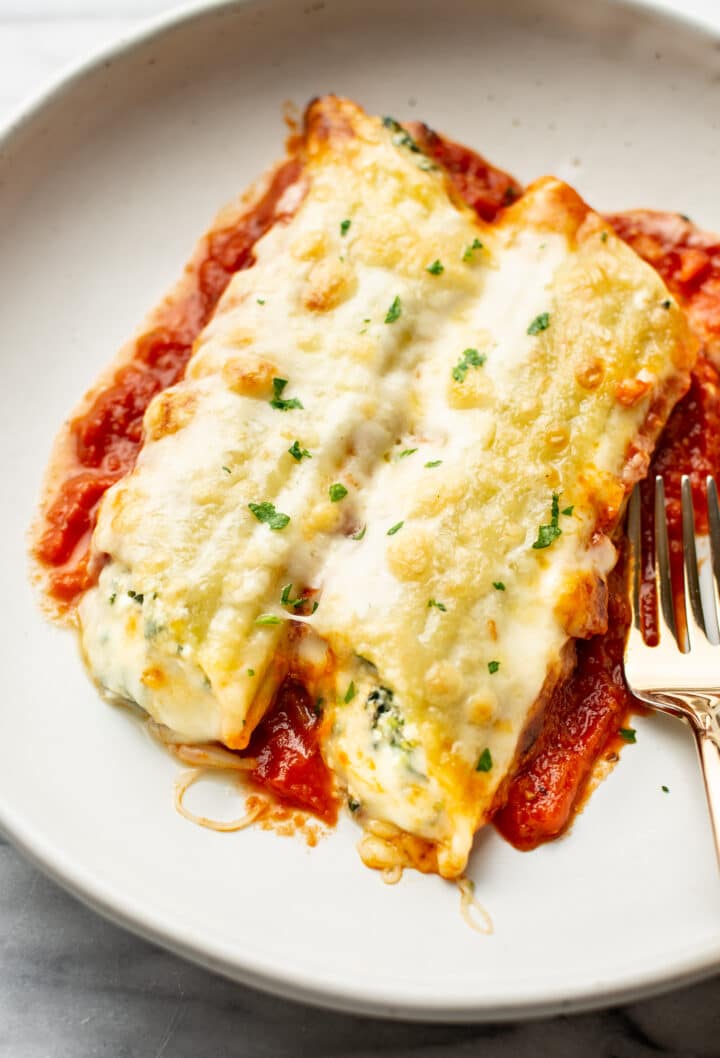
122 911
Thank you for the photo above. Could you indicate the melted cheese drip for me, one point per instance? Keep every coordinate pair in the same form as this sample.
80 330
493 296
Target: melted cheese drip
317 310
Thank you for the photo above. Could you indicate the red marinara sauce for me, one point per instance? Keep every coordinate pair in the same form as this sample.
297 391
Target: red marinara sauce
483 187
286 744
580 721
107 437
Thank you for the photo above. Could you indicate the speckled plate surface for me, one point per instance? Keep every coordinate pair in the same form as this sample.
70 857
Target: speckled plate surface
105 184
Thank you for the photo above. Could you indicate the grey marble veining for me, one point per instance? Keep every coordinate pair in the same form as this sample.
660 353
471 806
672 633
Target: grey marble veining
74 985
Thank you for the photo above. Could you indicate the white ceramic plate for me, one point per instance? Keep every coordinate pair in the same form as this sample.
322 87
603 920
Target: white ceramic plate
104 187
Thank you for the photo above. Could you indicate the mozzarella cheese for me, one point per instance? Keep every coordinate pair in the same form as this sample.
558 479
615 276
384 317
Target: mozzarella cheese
484 394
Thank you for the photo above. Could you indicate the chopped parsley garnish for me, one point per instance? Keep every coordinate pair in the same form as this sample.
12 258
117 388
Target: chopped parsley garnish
627 734
567 511
278 385
470 250
470 358
434 463
227 470
604 236
317 708
498 585
268 619
113 597
260 301
510 195
548 533
137 596
295 603
407 452
665 789
395 528
265 512
493 666
360 533
345 226
337 492
402 138
350 693
297 452
484 761
436 268
540 323
437 605
251 672
353 805
395 310
666 303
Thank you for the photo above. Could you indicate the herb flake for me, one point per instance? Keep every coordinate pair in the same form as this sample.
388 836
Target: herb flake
298 453
436 268
268 619
395 528
265 512
498 585
485 761
540 323
470 250
337 492
547 534
280 402
493 667
395 310
360 533
470 358
437 605
345 226
350 693
628 734
433 463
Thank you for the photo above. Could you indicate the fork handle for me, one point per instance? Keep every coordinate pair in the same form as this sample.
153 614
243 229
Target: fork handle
707 737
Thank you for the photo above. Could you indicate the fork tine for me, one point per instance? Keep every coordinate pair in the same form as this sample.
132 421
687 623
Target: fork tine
633 535
692 581
666 608
713 510
714 526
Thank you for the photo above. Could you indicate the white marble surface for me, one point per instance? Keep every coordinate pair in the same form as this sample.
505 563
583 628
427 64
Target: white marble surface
73 985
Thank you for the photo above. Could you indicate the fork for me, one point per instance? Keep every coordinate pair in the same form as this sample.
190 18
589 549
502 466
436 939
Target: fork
681 674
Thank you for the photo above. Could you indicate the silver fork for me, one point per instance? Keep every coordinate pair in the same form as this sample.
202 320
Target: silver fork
681 675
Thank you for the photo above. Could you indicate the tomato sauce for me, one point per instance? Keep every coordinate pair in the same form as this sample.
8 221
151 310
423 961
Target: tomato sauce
485 189
286 744
582 718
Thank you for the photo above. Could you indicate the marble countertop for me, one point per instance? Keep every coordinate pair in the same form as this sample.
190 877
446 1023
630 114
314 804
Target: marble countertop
72 984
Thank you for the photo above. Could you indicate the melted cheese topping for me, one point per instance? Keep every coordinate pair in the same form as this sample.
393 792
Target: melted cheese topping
451 403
